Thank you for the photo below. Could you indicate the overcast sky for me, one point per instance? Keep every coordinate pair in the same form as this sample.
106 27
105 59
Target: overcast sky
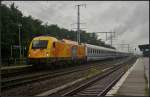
129 19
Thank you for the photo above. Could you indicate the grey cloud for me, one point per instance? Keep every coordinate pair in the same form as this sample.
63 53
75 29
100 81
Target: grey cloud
139 17
130 19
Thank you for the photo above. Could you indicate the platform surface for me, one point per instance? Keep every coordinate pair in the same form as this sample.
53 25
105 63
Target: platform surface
14 67
146 63
135 83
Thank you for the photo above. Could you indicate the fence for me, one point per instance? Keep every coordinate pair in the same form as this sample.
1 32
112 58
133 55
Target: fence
13 61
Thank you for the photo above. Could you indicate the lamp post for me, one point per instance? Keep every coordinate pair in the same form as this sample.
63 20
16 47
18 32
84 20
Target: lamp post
19 25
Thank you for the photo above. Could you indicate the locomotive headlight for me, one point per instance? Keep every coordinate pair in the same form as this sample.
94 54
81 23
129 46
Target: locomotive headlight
47 54
29 55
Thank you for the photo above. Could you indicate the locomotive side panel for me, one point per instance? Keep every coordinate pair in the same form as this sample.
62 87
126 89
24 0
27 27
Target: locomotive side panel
62 50
81 52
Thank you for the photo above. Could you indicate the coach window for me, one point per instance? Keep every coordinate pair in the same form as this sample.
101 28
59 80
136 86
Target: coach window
91 51
88 50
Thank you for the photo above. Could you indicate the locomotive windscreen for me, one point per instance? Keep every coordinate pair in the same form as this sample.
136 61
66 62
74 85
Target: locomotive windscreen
39 44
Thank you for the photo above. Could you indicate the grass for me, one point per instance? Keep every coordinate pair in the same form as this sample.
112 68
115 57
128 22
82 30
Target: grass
93 71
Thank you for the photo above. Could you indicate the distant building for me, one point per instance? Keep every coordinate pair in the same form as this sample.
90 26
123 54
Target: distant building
145 48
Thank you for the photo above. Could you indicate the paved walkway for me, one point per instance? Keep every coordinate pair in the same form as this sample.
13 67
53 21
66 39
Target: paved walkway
146 63
14 67
133 83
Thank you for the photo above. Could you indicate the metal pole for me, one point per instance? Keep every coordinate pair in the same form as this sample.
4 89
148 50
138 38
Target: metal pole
11 50
78 24
22 51
106 36
128 47
111 39
46 27
19 41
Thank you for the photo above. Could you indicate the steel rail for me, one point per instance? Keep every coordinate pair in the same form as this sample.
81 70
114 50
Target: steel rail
22 80
97 78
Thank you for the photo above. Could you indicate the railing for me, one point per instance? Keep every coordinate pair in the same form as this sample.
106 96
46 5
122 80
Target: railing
13 61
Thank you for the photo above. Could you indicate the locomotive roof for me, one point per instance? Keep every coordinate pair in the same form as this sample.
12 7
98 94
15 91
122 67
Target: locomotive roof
69 41
44 37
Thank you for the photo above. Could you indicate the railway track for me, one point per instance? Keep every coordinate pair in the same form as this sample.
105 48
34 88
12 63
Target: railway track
98 85
20 80
12 87
15 70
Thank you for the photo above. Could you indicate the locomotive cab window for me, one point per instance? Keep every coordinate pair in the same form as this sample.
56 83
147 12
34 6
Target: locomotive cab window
39 44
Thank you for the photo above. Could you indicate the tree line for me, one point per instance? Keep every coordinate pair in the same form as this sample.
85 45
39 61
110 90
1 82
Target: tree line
11 17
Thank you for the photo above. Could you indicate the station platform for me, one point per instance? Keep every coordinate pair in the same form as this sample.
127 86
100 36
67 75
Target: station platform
135 82
14 67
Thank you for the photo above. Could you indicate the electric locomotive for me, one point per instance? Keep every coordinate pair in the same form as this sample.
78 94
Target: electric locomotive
48 50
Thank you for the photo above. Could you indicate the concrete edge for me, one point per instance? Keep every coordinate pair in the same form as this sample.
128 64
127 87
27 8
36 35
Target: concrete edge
145 74
51 91
14 67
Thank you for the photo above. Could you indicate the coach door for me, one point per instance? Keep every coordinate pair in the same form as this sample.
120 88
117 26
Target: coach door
74 52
